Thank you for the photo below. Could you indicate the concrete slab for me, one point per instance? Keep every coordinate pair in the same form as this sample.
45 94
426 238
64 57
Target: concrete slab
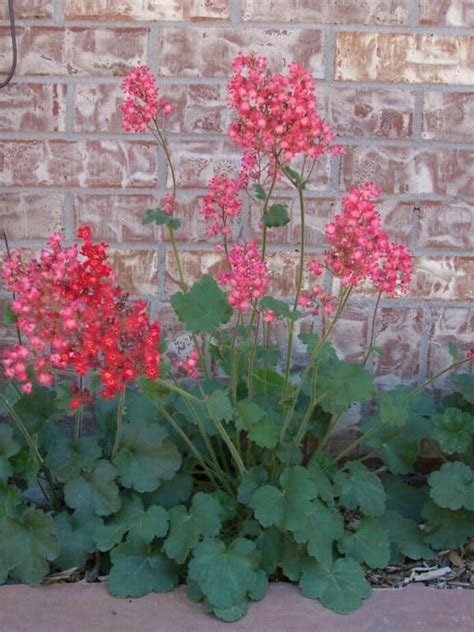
90 608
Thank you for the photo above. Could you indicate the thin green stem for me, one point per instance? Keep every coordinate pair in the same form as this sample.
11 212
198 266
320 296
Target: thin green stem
119 420
372 331
265 209
177 389
421 387
251 360
228 441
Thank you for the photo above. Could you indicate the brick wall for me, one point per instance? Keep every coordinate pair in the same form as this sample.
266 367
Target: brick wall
395 79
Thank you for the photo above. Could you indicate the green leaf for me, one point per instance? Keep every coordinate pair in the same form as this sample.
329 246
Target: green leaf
397 447
405 499
361 489
276 216
369 543
454 350
393 407
9 446
10 499
453 430
258 425
67 458
294 177
28 542
341 588
139 568
218 406
203 308
279 307
268 382
252 479
284 507
146 456
270 544
325 488
225 574
259 192
9 316
452 486
134 520
161 218
341 383
447 529
292 559
465 384
36 409
75 533
406 537
234 613
319 529
94 492
186 529
170 493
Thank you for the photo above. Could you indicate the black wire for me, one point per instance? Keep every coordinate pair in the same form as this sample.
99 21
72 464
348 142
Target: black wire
6 81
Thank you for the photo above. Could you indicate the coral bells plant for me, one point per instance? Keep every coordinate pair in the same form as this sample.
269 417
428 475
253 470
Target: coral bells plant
215 468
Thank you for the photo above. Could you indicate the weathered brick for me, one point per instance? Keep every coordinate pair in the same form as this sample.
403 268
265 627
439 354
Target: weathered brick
448 324
350 333
194 264
117 218
33 107
327 11
208 52
75 51
448 116
398 332
77 164
30 216
28 9
447 13
137 271
446 225
193 226
147 9
443 278
409 170
400 57
196 163
359 112
97 108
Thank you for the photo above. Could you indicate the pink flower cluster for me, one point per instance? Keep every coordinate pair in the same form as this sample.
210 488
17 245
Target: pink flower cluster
317 298
220 204
76 318
170 204
142 104
276 114
470 354
248 277
361 249
190 366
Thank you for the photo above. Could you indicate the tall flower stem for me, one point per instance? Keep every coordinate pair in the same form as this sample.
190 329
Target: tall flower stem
118 431
372 331
265 209
228 441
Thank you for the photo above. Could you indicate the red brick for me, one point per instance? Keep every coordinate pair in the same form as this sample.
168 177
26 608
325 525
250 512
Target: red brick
97 109
358 112
27 9
77 164
449 324
406 170
196 163
75 51
350 333
30 216
446 225
193 226
33 107
149 10
194 264
117 218
448 116
443 278
398 332
137 271
208 52
403 57
447 13
327 11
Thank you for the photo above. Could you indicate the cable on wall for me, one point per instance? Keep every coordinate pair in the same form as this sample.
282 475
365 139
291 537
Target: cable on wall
9 77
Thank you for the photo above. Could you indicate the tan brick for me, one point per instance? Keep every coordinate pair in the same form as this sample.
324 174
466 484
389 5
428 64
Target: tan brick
406 170
77 164
327 11
397 57
449 324
147 9
398 332
443 278
448 116
208 52
358 112
27 9
33 107
447 12
446 225
137 271
75 51
30 216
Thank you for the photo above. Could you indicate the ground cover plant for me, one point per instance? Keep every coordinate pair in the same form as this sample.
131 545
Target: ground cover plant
215 469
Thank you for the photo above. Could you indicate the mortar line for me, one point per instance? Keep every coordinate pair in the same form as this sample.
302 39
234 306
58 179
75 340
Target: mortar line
418 117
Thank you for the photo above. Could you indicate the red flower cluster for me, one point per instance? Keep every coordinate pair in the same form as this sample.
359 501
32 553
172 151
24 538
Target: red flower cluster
221 203
190 366
361 249
276 113
76 317
248 277
142 104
